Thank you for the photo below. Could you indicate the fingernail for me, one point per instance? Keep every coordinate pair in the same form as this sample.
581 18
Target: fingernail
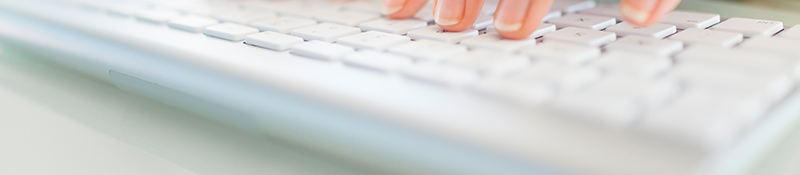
637 11
392 6
511 14
449 12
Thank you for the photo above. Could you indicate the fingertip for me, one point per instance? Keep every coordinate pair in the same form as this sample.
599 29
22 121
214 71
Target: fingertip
401 9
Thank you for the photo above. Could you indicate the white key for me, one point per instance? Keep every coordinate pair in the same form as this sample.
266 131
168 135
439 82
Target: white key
283 25
567 78
489 63
428 50
230 31
322 50
438 34
562 53
737 59
609 10
441 75
378 61
581 36
493 41
157 16
533 93
192 23
244 17
392 26
750 27
693 36
632 64
791 33
646 45
368 7
658 31
325 32
769 85
205 9
773 45
572 6
482 22
373 40
273 40
125 10
686 20
307 11
617 101
425 14
543 29
553 14
346 18
583 21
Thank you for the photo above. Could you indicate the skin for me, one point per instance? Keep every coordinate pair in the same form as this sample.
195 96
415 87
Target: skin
517 19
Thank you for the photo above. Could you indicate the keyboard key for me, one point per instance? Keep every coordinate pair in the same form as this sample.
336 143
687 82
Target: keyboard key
373 40
438 34
581 36
379 61
368 7
425 14
769 85
489 63
322 50
325 32
646 45
125 10
583 21
495 42
686 20
346 18
283 25
192 23
566 78
744 60
694 36
392 26
562 53
773 45
658 31
273 40
309 11
529 93
441 75
428 50
553 14
230 31
157 16
617 101
244 17
791 33
572 6
609 10
750 27
482 22
543 29
632 64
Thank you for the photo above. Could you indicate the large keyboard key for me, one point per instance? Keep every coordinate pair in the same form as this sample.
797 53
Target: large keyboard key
750 27
744 60
769 85
393 26
543 29
632 64
373 40
346 18
325 32
572 6
379 61
583 21
686 20
567 78
609 10
428 50
694 36
791 33
493 41
529 93
441 75
282 24
581 36
489 63
192 23
244 17
658 31
230 31
322 50
773 45
157 16
646 45
273 40
438 34
562 53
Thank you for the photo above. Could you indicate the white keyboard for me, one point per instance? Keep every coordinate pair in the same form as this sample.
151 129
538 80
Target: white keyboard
694 77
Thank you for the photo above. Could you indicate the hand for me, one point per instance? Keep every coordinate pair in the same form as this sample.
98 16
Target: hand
516 19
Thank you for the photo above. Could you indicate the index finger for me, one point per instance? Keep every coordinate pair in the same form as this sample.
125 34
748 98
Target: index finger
401 9
517 19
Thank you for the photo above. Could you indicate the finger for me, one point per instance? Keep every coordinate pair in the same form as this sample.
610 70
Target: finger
646 12
517 19
401 9
456 15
